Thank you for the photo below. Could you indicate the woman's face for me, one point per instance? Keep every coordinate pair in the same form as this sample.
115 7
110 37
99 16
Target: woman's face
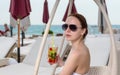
76 34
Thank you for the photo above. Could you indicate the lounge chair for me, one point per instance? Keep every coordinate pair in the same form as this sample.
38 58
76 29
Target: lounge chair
27 66
34 50
99 46
24 50
7 44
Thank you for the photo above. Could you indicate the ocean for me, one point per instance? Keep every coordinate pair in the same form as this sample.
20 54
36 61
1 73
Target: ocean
38 29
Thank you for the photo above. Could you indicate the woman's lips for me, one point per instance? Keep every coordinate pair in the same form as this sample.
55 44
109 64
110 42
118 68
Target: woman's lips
68 35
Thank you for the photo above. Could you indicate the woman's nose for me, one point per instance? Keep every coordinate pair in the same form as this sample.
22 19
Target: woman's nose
68 29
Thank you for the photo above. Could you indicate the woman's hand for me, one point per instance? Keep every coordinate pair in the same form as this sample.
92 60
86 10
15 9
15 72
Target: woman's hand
59 61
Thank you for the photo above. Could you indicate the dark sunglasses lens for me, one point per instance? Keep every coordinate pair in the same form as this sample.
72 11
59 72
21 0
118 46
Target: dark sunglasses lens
64 26
73 27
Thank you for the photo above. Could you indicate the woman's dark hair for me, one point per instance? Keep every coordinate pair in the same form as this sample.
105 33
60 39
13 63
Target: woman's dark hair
83 22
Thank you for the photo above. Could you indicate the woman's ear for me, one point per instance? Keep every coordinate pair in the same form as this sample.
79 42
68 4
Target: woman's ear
83 31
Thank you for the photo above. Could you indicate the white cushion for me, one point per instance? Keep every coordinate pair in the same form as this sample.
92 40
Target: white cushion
32 56
99 47
24 50
5 44
24 69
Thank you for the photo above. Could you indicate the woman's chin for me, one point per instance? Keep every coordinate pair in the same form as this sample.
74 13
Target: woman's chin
68 39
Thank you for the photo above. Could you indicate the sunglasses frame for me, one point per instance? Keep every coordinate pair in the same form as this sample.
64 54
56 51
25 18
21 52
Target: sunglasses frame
72 27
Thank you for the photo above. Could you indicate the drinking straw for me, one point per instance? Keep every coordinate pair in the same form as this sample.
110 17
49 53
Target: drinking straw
53 42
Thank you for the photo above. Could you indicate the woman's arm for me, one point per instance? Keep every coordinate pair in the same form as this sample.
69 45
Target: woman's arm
70 65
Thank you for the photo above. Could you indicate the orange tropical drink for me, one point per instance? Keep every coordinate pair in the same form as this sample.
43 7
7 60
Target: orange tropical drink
52 55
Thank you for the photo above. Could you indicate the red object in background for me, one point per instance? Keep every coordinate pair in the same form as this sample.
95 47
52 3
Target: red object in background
45 12
72 11
20 8
1 32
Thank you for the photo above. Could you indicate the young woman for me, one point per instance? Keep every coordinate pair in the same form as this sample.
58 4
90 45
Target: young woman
78 60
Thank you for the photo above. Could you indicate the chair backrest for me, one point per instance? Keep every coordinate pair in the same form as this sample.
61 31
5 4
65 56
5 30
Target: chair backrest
99 47
6 43
32 56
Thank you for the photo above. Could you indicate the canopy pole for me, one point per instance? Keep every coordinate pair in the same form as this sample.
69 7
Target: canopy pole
69 12
113 59
37 64
61 46
70 7
18 50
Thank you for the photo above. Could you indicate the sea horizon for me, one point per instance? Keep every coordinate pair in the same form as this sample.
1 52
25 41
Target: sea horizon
37 29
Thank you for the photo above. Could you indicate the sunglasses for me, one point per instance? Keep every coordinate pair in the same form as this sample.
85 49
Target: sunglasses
72 27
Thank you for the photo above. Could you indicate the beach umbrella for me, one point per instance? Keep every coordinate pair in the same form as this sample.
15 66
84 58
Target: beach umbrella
19 9
73 10
45 12
101 20
24 23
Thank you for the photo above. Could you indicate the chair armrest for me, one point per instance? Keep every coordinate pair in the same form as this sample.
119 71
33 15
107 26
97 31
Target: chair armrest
99 70
4 62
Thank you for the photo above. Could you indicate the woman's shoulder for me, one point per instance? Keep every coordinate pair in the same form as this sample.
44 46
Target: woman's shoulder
84 50
83 54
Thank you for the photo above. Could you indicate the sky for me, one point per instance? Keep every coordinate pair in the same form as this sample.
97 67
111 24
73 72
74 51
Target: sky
86 7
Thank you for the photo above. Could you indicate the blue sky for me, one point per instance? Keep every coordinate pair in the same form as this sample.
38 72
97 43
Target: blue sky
86 7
